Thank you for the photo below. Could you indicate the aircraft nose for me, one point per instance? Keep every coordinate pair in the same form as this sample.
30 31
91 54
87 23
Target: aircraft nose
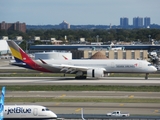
154 69
53 115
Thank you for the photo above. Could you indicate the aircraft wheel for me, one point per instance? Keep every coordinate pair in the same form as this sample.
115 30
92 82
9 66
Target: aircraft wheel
80 77
146 77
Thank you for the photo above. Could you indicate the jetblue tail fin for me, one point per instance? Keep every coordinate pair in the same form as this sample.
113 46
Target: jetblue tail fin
2 103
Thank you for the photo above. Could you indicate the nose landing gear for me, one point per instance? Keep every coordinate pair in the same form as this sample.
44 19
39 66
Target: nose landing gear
146 76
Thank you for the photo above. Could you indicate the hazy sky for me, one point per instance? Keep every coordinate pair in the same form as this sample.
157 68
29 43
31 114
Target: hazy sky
78 12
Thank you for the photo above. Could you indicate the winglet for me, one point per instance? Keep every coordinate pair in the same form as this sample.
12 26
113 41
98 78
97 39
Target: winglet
42 61
2 103
65 57
82 114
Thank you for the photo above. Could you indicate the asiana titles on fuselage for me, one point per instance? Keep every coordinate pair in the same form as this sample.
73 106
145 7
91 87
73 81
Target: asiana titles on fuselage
126 66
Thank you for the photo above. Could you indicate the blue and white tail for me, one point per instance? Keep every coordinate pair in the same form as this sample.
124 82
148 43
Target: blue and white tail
2 103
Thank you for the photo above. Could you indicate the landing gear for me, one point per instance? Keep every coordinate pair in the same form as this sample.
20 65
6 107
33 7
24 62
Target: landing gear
80 77
146 77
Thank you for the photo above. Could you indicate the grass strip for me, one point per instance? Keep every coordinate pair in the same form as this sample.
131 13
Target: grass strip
105 100
81 88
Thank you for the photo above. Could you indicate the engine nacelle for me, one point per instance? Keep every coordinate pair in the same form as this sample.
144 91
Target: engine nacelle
95 73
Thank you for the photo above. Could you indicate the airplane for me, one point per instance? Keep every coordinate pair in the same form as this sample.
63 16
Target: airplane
30 112
96 68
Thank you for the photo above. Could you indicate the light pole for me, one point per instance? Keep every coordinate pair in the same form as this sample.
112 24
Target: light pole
97 38
149 37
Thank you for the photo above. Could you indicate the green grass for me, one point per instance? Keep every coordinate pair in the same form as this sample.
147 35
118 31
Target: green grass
104 100
81 88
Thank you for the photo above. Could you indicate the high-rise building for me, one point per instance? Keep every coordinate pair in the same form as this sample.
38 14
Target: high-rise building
147 22
64 25
13 26
124 22
137 22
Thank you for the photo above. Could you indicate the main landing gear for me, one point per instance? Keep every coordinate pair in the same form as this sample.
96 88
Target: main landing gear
146 77
80 77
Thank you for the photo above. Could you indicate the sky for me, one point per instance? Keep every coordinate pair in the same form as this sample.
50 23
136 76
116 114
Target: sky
78 12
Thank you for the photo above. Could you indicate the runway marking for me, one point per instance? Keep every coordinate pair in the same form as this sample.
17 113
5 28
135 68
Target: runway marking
57 104
131 96
77 110
156 111
63 95
121 105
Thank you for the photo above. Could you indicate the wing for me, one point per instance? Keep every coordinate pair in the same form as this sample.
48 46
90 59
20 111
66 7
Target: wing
69 68
72 69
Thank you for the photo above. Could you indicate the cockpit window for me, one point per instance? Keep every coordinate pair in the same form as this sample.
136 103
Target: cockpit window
150 65
47 109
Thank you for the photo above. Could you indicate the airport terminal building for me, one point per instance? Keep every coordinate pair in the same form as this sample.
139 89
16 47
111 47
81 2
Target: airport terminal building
86 51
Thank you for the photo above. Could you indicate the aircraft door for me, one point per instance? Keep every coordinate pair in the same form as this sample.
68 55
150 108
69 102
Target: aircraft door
112 65
140 64
35 111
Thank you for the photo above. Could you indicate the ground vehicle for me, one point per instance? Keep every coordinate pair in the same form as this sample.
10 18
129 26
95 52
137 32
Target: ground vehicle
118 114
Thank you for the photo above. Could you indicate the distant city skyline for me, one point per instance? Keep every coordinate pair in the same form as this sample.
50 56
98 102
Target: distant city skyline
80 12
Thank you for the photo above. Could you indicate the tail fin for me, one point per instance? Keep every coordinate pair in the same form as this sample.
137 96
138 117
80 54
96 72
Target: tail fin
22 59
17 52
2 103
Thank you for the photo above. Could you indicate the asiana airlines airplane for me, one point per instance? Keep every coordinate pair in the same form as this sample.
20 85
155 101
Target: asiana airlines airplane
96 68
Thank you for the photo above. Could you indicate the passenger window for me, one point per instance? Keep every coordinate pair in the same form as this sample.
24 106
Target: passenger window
47 109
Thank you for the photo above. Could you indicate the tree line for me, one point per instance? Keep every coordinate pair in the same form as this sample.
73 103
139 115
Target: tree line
125 35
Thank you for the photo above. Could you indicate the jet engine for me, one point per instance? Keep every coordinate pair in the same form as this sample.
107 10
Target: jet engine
95 73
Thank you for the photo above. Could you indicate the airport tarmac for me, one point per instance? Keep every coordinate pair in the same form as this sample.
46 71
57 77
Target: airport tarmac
98 108
83 94
89 107
125 81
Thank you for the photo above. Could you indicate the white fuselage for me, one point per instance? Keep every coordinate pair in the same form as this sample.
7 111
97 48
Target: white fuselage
110 66
27 112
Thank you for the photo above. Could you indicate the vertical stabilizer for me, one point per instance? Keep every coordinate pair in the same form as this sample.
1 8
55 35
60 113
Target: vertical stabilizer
17 52
22 59
2 103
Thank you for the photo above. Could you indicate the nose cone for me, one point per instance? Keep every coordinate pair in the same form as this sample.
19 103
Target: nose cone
154 69
53 115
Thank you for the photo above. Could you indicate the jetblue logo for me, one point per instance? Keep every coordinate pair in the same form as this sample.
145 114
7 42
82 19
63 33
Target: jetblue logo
18 110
